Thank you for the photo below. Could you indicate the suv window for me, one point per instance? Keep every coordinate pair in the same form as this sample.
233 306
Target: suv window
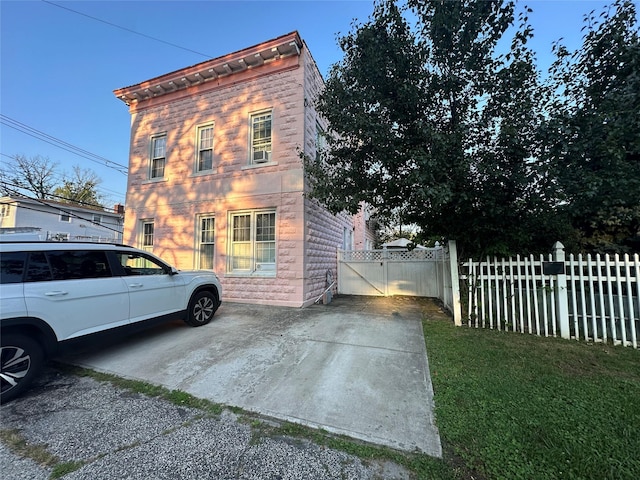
12 267
140 264
67 265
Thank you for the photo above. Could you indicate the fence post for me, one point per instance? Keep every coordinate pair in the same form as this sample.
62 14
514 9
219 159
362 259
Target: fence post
562 298
455 283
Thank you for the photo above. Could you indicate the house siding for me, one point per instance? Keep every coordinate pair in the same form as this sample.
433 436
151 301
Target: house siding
306 235
45 215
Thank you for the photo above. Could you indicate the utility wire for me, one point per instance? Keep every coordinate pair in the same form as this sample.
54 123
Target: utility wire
104 192
16 191
128 29
26 129
61 210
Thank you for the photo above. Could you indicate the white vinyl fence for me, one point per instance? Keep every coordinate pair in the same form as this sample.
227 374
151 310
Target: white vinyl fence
591 298
424 272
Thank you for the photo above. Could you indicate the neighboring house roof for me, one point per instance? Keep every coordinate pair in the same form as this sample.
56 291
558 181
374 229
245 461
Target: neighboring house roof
60 205
400 243
214 69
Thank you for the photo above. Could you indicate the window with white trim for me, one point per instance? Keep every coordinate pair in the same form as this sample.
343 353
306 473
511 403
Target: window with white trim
204 148
146 235
158 156
97 219
260 143
321 142
206 244
252 242
4 210
65 217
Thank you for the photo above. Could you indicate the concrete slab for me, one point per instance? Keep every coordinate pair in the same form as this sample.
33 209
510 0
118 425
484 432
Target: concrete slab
357 366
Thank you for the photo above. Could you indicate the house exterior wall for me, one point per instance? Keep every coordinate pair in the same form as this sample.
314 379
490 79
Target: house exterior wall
46 215
306 235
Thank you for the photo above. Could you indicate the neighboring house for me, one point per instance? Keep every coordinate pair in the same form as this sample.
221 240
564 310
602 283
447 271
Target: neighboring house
60 221
215 175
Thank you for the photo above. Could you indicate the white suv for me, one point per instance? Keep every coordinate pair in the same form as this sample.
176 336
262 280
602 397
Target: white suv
53 294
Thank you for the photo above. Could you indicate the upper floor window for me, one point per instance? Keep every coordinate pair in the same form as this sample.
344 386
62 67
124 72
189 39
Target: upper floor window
158 156
97 219
65 217
204 138
4 210
260 138
321 142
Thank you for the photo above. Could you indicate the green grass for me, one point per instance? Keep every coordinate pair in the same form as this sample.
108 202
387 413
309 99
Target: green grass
519 406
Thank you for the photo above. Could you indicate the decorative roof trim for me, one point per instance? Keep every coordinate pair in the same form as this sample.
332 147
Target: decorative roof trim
249 58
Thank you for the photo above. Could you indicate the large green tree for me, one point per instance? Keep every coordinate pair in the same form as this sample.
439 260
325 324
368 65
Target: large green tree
429 120
592 137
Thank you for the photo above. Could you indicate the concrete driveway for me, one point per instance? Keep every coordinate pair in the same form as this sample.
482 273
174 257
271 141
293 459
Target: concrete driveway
357 366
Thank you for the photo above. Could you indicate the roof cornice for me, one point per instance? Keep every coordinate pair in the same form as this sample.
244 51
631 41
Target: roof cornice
249 58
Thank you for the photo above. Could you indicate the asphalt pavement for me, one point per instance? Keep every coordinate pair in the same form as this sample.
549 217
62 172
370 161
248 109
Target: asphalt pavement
356 367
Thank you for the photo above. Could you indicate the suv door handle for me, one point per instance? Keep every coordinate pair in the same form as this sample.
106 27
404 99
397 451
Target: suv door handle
136 285
56 293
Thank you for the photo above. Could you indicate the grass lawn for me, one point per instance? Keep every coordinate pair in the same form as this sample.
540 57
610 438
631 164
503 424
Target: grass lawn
515 406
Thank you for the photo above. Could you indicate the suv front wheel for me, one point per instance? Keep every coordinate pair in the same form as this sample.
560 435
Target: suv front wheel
201 308
20 361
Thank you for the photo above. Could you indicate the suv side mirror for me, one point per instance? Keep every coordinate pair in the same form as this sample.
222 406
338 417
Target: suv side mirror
173 271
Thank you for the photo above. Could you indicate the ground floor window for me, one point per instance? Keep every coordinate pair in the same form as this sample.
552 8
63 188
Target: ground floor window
206 235
146 235
252 242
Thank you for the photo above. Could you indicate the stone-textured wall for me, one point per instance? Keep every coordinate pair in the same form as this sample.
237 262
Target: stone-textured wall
175 202
307 236
324 232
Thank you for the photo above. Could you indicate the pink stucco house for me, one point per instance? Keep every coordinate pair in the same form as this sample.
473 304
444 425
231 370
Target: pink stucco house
216 180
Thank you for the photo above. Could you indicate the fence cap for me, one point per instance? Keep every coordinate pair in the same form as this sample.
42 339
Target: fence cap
558 246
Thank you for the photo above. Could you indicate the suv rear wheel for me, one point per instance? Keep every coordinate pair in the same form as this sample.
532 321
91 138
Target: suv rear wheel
201 308
20 361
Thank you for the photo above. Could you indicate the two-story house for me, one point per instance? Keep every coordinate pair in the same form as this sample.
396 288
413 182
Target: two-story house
215 175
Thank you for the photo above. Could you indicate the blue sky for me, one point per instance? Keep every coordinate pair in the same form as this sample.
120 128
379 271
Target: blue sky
59 68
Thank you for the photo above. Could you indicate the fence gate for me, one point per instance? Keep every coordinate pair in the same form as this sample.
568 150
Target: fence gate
418 272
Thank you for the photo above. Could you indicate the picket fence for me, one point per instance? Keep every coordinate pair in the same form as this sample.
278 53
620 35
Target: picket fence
591 298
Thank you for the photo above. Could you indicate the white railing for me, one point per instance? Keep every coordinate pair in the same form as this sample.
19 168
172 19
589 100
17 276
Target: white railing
591 298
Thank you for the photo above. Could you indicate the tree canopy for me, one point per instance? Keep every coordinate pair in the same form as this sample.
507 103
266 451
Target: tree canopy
429 119
37 176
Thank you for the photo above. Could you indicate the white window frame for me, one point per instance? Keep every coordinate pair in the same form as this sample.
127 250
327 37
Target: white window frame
65 217
200 148
253 244
147 237
97 219
260 145
5 210
205 235
154 156
321 141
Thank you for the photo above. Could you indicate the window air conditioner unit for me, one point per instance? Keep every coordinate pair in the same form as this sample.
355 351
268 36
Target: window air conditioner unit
261 156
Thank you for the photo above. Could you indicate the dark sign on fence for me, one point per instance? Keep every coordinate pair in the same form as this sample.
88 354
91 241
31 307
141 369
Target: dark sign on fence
553 268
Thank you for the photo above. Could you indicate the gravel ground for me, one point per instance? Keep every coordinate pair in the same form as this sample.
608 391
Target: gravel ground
115 433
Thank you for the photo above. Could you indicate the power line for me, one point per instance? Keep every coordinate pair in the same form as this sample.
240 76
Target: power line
103 192
61 210
7 184
26 129
128 29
